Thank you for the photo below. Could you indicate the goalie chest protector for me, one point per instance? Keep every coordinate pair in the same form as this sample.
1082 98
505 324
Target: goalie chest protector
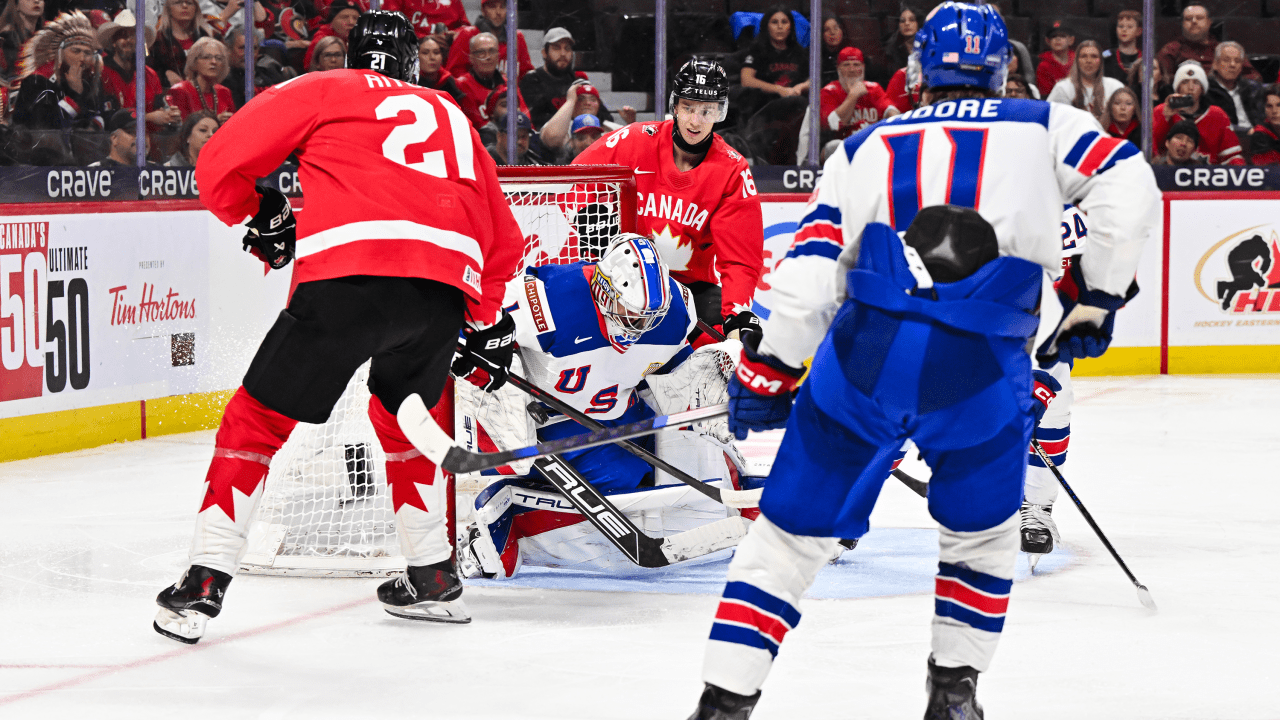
565 350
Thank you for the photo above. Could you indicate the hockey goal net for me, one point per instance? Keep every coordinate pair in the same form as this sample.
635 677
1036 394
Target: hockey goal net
325 510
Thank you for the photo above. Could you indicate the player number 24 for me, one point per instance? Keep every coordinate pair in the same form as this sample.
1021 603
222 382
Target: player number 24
424 125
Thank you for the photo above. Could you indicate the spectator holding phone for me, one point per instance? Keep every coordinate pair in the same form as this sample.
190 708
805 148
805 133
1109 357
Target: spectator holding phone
1217 140
1264 140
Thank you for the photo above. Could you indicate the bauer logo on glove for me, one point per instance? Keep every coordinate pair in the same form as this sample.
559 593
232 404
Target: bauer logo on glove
273 231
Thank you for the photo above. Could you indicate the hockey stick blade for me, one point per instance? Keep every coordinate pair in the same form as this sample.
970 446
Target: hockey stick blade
421 430
916 486
1144 595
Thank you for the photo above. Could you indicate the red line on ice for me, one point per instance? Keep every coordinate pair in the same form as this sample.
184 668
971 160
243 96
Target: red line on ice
179 652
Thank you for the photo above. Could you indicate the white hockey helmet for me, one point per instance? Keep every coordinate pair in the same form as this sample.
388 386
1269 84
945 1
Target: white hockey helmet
631 286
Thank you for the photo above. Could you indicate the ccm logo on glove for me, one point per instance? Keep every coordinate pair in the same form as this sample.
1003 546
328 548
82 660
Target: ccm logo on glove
759 382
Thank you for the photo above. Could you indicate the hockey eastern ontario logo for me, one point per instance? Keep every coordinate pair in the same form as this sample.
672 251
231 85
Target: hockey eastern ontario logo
1251 257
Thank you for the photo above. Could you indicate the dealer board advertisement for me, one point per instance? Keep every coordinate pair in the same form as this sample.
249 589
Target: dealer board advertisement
1224 272
99 309
1138 325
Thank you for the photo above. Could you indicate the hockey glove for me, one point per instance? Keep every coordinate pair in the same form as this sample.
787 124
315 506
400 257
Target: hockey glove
273 232
760 391
1088 318
746 323
486 361
1044 388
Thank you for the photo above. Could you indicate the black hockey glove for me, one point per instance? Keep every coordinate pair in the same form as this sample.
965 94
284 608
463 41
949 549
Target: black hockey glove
486 362
273 232
746 323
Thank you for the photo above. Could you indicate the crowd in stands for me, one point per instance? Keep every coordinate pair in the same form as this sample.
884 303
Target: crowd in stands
68 95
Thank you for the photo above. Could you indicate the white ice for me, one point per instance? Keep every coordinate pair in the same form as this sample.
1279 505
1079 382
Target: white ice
1179 471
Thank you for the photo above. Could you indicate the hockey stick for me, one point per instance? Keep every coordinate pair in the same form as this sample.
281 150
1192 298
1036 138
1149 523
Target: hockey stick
732 498
1144 595
617 528
918 487
421 430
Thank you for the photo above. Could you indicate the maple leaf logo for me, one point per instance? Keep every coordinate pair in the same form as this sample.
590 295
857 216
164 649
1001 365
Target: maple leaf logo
676 249
227 474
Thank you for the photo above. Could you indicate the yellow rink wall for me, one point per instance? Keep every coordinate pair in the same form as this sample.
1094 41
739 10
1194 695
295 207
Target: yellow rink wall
66 430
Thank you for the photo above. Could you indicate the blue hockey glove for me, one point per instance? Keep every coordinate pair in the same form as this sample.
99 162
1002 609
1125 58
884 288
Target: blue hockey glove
273 231
760 391
1043 390
1088 318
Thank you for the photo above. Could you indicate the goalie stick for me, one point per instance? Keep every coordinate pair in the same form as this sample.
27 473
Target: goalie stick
617 528
1144 595
729 497
918 487
421 430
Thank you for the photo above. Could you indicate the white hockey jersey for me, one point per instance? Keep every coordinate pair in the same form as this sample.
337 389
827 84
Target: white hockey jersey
566 351
1016 162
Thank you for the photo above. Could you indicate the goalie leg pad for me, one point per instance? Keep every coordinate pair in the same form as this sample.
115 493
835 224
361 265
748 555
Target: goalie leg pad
248 437
419 492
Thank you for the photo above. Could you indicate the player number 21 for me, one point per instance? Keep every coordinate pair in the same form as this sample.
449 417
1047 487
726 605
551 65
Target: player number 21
424 125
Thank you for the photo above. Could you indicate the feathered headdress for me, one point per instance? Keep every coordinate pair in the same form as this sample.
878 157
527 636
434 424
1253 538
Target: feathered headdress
45 47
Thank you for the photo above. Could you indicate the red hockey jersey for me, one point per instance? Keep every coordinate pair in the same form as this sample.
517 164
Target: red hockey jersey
395 179
706 222
869 109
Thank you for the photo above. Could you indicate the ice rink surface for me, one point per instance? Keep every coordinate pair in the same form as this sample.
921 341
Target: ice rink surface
1179 471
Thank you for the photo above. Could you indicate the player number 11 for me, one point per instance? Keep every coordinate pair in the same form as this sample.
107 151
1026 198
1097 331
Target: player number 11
424 125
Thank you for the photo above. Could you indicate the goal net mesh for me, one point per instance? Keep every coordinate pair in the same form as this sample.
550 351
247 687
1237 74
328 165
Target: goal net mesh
325 509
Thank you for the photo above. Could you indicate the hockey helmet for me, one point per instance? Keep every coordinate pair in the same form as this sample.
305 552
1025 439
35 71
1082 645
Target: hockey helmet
385 42
702 81
631 286
962 45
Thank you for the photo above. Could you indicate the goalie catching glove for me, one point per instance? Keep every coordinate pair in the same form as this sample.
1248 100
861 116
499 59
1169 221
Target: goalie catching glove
760 392
273 232
1088 317
486 360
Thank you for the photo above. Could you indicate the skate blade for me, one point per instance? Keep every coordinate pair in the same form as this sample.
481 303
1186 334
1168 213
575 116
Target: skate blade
453 611
185 626
1034 559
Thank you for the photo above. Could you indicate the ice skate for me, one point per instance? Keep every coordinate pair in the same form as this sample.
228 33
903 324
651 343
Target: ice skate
952 693
717 703
187 605
842 546
1039 532
429 593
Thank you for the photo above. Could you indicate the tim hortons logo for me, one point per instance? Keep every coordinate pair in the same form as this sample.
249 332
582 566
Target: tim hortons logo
1254 266
170 306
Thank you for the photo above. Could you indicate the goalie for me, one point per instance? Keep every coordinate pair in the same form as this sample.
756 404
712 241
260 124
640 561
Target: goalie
597 336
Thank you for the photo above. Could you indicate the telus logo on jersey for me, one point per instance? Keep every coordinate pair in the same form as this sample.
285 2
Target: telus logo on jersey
1251 258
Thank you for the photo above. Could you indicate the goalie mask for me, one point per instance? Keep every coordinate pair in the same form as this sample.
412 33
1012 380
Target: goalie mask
631 287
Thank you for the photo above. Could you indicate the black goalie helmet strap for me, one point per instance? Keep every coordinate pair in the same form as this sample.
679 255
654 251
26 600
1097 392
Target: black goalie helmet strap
385 42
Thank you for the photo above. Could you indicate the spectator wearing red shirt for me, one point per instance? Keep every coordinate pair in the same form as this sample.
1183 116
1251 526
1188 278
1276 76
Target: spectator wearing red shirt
119 40
423 14
432 75
179 27
1195 44
1218 141
852 102
899 96
482 76
343 15
206 67
1055 63
1264 140
1120 116
492 20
